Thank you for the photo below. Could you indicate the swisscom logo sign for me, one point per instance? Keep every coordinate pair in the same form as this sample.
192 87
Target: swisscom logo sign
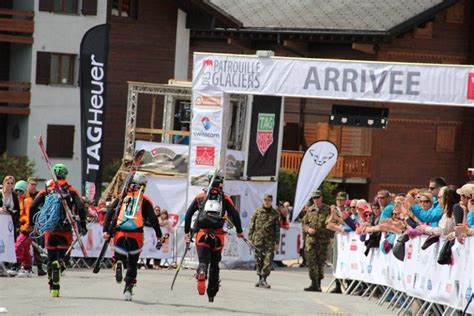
206 130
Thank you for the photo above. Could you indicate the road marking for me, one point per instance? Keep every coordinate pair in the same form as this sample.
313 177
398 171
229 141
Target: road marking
332 308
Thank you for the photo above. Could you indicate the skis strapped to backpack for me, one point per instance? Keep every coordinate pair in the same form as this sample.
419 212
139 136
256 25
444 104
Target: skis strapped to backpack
128 180
69 214
194 228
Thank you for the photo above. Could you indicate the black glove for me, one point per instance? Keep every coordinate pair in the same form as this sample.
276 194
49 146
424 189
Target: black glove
158 244
82 228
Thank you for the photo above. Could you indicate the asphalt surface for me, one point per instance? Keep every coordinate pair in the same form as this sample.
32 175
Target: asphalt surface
83 293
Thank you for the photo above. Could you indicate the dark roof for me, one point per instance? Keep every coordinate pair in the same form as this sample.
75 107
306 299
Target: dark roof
371 17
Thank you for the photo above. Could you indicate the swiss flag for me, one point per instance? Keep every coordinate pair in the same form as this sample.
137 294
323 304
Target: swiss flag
470 86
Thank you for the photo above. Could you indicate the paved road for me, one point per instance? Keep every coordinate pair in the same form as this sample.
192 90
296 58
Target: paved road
88 294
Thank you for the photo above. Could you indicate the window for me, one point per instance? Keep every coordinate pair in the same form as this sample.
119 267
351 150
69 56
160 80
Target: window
55 68
60 141
125 8
60 6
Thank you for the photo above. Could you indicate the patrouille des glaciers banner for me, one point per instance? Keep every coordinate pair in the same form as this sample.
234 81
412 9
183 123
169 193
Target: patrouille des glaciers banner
335 79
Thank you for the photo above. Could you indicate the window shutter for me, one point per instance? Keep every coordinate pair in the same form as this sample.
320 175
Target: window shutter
43 65
46 5
445 139
89 7
356 141
60 141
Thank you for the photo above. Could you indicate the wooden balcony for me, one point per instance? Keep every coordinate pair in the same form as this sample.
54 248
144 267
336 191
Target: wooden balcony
345 167
15 97
16 26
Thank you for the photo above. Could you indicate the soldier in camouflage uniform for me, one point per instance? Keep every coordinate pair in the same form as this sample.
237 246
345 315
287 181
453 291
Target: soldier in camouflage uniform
317 240
264 233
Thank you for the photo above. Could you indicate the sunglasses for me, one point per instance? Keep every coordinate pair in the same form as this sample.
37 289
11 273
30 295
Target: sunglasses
425 201
267 200
432 188
19 191
382 197
352 207
10 183
316 197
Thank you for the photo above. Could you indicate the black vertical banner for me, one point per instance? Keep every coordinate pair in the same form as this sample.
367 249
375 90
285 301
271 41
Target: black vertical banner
264 137
93 81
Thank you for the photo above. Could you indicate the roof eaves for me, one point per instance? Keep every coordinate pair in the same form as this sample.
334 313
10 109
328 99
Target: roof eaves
212 9
420 18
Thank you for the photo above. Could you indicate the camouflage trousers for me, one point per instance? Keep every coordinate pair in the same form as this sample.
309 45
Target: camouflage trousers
315 255
264 263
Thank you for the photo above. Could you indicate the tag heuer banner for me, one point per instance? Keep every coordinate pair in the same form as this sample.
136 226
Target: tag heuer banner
264 134
93 78
316 164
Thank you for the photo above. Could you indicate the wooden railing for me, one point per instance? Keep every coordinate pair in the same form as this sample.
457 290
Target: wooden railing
16 26
15 92
345 167
290 160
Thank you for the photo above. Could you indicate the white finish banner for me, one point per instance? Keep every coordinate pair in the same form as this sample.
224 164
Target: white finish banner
332 79
316 164
7 239
419 275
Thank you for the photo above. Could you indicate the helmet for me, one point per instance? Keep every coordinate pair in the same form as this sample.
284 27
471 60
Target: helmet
60 170
139 178
218 178
21 185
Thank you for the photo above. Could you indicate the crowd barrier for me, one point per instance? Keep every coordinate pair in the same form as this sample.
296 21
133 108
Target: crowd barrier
235 250
418 276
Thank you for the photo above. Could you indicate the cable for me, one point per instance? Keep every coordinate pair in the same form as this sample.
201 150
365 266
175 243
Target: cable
48 216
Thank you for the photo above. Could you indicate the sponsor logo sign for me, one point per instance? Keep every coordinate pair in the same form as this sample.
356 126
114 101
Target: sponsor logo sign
470 86
208 100
232 73
205 155
265 126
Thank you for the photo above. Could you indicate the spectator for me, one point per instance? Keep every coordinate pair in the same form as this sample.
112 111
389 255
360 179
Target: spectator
23 241
447 198
166 227
425 214
466 227
460 209
32 191
32 187
384 200
101 211
290 210
180 138
284 224
9 203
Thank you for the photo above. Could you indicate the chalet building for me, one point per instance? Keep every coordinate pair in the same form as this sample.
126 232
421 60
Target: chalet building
154 41
421 141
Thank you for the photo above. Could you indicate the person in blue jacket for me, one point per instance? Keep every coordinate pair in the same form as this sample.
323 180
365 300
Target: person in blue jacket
385 201
432 215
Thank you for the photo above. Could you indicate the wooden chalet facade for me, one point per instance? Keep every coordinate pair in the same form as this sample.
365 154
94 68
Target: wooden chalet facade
420 141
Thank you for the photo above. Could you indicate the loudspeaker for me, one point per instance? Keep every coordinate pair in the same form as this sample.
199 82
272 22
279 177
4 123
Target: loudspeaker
360 116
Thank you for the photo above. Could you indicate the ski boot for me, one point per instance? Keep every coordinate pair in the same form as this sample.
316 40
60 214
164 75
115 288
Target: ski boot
201 283
259 282
212 291
119 272
128 290
55 278
13 271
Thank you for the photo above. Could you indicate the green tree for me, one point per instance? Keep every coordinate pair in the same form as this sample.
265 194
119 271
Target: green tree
18 166
111 170
287 188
